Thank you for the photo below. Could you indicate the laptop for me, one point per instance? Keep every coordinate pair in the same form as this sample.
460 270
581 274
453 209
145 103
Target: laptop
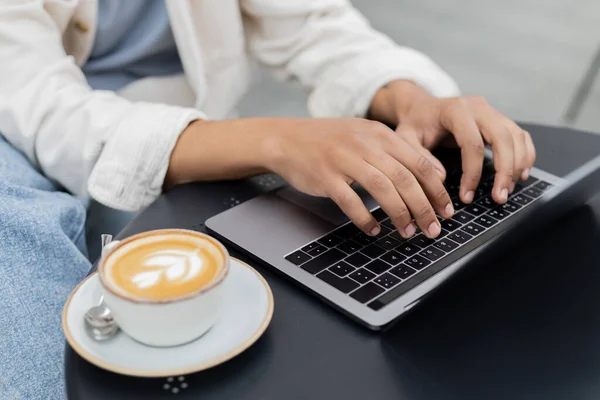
375 280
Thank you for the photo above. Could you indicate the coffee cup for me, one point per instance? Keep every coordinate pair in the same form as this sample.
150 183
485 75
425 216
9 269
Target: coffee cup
164 287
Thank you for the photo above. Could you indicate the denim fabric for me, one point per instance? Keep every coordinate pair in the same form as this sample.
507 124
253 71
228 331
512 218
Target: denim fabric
42 259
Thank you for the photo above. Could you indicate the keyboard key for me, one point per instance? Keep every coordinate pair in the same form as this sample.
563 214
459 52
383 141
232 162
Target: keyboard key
298 257
417 262
364 239
486 221
403 271
473 229
450 224
367 292
487 202
480 193
453 190
533 192
350 246
520 199
498 213
379 214
486 184
309 247
542 185
476 209
341 268
408 249
392 257
384 231
460 237
396 236
387 281
389 224
345 285
323 261
378 266
421 241
446 245
510 206
457 204
357 260
373 251
462 217
432 253
387 242
362 275
347 231
523 184
330 240
318 249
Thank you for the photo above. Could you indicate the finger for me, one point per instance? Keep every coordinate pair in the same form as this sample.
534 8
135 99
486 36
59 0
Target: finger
351 204
384 192
411 192
459 120
410 136
520 151
424 171
503 149
531 156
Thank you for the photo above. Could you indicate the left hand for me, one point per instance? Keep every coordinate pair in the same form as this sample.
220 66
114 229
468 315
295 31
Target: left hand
426 121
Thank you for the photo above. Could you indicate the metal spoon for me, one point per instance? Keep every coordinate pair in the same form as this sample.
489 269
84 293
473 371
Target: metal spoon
99 322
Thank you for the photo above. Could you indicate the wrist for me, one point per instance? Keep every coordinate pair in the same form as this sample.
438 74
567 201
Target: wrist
217 150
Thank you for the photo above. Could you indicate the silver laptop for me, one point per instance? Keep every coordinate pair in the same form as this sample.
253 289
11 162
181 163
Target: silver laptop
376 280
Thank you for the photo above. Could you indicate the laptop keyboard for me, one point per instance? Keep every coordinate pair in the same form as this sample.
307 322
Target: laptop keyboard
366 267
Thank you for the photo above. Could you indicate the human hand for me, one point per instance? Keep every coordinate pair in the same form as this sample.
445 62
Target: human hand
470 122
324 157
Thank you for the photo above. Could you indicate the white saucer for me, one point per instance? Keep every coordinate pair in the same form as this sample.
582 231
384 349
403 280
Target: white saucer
247 311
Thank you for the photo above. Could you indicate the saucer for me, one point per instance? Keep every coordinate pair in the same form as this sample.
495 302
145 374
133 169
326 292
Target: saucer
247 311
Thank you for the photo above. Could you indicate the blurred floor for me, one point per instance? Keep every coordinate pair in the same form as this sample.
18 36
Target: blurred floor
526 56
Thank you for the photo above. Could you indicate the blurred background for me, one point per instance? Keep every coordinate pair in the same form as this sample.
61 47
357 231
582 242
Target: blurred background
534 60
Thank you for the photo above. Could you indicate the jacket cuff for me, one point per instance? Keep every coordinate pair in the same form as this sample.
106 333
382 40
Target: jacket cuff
351 93
131 169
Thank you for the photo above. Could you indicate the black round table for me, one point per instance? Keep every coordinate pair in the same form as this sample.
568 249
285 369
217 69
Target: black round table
524 325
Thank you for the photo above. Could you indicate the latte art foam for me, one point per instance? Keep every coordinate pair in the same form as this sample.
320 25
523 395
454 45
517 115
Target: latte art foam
164 266
172 265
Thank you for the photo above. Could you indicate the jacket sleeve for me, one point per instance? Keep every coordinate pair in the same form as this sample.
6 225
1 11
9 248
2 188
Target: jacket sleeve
331 48
90 142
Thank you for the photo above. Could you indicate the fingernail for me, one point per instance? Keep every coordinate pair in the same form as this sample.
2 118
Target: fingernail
434 229
512 187
504 194
469 196
375 231
409 230
449 210
525 174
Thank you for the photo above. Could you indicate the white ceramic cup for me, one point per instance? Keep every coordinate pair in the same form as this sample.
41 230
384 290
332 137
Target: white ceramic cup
169 322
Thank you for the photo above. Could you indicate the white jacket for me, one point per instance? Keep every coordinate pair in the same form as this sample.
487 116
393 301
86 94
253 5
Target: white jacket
117 150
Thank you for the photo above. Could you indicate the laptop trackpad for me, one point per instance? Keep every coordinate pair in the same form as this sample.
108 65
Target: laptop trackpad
321 206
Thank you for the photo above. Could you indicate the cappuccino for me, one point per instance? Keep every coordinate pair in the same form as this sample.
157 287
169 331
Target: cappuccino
163 265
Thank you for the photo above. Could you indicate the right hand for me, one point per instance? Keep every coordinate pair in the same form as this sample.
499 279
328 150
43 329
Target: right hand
324 157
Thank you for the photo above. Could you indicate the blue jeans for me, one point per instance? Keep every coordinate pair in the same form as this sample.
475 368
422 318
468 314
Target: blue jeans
42 259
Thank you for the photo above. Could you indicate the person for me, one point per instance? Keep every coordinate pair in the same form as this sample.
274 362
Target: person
119 101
